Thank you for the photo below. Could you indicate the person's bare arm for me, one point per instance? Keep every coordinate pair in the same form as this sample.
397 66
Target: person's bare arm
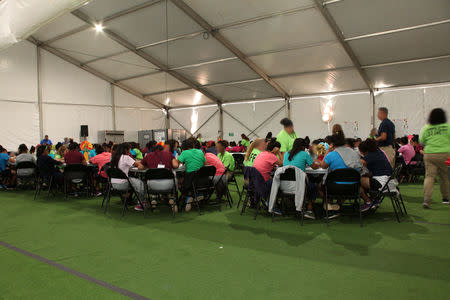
175 163
279 163
364 163
83 162
139 165
315 165
323 164
382 137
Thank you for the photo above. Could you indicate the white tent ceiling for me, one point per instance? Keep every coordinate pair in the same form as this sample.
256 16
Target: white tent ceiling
207 51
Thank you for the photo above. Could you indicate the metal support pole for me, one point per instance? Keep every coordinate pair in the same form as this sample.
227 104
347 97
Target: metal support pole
372 101
220 121
39 91
113 104
288 108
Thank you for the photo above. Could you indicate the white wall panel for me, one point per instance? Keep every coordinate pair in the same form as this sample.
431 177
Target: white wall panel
307 118
64 121
18 73
133 120
354 113
62 82
409 108
437 97
20 124
406 110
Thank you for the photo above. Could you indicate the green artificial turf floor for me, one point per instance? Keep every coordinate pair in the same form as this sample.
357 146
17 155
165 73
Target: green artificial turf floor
221 255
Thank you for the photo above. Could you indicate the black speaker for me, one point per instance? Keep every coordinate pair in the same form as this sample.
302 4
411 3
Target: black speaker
84 131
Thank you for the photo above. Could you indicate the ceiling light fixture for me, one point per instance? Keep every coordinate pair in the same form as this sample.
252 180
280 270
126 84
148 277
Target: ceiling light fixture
98 27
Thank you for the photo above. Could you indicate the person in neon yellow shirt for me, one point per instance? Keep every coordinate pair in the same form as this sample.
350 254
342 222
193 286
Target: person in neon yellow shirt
225 157
436 138
287 136
258 146
245 141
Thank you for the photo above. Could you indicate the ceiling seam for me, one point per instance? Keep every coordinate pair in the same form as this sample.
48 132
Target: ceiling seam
225 42
115 37
335 28
94 72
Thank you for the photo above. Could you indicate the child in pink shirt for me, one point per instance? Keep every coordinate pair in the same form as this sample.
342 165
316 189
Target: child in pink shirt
407 150
213 160
267 160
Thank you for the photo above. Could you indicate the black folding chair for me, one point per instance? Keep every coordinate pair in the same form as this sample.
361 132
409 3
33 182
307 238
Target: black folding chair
43 181
152 176
115 173
77 174
202 183
232 179
26 173
289 175
415 168
221 189
396 198
257 189
239 161
341 185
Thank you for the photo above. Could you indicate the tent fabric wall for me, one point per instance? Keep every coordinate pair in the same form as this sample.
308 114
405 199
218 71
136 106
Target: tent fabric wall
352 112
18 96
252 115
71 97
210 131
409 108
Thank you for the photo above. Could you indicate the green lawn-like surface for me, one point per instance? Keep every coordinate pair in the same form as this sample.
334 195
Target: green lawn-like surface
221 254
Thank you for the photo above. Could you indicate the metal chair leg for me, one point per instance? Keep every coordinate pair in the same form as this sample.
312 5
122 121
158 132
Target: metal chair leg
395 209
50 185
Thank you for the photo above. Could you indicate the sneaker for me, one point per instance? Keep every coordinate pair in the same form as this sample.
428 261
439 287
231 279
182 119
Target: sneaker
200 197
332 206
309 215
98 194
277 211
445 201
139 207
366 206
188 204
376 203
154 202
332 215
426 205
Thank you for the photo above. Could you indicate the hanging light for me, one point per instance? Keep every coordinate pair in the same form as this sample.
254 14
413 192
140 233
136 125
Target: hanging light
197 98
98 27
194 121
327 109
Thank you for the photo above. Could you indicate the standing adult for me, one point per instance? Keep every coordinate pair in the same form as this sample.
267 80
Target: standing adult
436 138
386 135
287 136
46 141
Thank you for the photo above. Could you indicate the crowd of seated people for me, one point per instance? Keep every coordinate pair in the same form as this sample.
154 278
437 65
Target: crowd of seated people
286 149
